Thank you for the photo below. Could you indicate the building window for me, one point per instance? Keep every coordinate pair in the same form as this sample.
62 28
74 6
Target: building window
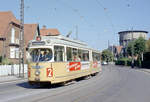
17 52
12 52
17 41
12 35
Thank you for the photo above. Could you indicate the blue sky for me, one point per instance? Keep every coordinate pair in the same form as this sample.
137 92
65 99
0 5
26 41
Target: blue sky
98 20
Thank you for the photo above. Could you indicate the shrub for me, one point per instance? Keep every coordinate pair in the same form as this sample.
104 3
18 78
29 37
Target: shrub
123 61
6 61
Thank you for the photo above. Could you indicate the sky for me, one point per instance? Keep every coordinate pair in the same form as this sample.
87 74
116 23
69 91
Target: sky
98 21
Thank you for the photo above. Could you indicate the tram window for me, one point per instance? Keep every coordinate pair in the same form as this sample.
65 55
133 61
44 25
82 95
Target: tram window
69 54
58 53
80 54
75 54
96 56
85 55
41 55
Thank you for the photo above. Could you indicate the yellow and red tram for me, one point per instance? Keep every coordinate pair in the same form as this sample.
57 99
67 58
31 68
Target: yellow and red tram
57 59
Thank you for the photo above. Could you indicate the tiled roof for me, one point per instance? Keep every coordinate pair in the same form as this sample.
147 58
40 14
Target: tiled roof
118 48
6 18
46 32
29 32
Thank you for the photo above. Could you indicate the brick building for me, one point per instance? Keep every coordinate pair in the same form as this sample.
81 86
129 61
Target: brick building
9 35
46 32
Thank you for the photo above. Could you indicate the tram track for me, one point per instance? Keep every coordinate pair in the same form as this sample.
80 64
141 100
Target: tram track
75 89
112 84
83 97
101 90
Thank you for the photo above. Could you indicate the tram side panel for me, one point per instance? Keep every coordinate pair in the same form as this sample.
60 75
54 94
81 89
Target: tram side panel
69 70
57 72
78 69
96 67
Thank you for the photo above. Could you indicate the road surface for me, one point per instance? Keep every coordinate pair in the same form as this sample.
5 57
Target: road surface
114 84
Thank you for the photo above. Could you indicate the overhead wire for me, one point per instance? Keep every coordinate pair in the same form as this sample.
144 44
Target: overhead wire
77 11
106 14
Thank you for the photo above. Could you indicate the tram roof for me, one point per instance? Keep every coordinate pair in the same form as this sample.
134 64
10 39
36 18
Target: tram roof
59 39
65 41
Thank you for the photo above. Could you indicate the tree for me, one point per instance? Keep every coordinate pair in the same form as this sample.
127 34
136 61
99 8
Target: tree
107 55
148 46
139 47
130 48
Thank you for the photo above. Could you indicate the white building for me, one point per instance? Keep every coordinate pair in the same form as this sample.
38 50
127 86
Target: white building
126 36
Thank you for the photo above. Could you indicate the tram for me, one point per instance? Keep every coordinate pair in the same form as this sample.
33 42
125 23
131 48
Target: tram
57 59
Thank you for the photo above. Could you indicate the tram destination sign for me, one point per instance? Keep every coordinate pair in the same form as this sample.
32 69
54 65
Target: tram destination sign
38 43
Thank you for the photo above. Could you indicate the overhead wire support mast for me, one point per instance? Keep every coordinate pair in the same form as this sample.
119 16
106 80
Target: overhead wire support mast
21 40
132 49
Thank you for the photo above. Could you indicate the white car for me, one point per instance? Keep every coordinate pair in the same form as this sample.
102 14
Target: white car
104 63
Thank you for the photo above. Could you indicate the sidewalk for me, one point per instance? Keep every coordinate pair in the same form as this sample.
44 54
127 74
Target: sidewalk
142 69
11 78
145 70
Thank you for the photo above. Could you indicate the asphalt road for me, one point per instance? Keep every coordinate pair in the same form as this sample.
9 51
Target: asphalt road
114 84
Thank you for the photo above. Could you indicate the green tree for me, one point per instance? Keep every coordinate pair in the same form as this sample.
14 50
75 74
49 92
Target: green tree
130 48
148 46
139 47
107 55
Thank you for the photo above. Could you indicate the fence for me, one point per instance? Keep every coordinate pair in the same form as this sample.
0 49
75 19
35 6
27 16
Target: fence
11 69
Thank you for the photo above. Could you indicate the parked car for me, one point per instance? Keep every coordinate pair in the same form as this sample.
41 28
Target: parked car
104 63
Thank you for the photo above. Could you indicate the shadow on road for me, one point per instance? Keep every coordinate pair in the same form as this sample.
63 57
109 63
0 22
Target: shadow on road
43 86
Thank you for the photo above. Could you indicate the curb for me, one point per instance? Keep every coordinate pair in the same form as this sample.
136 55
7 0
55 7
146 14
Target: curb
12 80
145 70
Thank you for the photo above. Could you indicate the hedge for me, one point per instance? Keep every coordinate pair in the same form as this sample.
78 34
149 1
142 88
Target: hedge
123 61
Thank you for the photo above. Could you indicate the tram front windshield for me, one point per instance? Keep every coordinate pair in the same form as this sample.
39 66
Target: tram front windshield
41 55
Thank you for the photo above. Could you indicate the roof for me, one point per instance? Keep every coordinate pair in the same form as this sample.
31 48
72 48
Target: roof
46 32
119 48
131 31
5 19
29 32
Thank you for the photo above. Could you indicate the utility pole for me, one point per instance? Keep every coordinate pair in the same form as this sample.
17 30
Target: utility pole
112 52
132 51
108 44
76 31
21 40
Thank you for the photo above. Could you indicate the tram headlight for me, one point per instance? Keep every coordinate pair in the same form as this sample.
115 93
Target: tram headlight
37 72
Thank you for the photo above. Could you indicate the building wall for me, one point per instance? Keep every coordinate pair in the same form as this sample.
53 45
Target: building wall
1 47
9 45
126 37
